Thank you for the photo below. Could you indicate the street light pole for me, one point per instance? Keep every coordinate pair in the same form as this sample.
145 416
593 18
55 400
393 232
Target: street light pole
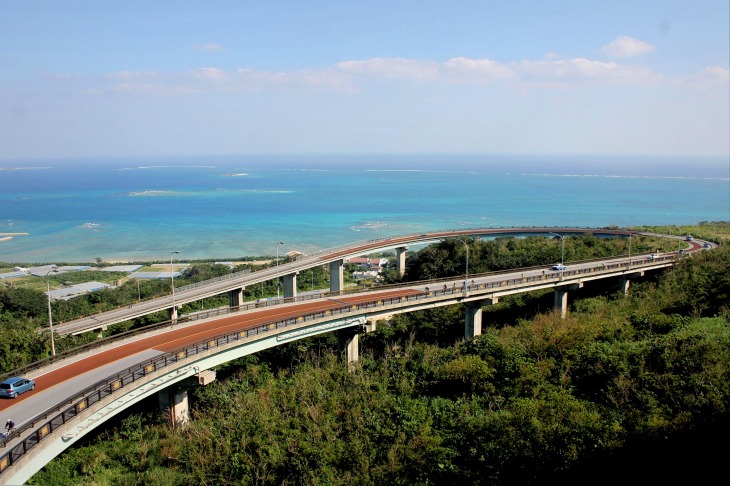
277 266
466 273
172 283
50 318
562 252
629 232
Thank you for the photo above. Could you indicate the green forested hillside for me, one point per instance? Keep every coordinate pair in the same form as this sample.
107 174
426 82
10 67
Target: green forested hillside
534 400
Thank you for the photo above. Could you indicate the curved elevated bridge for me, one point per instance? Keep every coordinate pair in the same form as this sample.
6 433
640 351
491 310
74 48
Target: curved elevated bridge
82 388
235 283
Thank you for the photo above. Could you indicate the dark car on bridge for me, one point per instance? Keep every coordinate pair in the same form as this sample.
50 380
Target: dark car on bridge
12 387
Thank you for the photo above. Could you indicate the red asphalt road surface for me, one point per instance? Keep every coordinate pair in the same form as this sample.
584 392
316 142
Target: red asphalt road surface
181 338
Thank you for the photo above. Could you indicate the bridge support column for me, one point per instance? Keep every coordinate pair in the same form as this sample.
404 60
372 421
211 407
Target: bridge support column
473 313
172 313
625 283
290 285
337 278
235 297
561 300
400 259
561 297
174 402
349 343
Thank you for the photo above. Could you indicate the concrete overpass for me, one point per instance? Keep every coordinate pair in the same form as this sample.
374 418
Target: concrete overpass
234 284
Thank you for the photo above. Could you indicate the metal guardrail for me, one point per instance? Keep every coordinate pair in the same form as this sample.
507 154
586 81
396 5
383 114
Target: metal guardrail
222 278
58 415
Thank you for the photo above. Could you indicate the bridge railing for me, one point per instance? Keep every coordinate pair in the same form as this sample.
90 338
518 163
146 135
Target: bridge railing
222 278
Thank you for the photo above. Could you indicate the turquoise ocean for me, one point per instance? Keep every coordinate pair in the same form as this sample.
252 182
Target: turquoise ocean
141 209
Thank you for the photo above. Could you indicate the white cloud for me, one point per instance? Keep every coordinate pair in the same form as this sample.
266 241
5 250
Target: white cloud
209 47
716 73
391 68
711 77
467 70
259 77
141 88
477 69
134 75
581 70
328 79
209 73
624 46
350 76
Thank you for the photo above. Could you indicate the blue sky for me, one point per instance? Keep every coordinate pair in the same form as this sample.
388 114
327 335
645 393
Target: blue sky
160 78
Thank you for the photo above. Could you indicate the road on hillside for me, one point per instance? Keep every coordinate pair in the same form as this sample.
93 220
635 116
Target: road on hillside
82 372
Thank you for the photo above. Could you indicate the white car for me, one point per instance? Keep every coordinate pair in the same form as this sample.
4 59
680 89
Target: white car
559 266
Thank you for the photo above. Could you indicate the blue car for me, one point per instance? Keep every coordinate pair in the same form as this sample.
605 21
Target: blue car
12 387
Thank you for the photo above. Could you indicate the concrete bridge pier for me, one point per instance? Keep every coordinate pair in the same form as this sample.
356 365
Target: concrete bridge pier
348 341
235 297
473 316
172 313
561 297
173 400
337 278
400 259
625 281
561 300
624 284
473 326
290 285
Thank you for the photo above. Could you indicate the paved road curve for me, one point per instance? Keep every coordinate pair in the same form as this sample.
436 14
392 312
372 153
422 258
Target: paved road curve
218 286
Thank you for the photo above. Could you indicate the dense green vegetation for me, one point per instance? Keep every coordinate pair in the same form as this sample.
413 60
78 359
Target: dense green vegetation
535 399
